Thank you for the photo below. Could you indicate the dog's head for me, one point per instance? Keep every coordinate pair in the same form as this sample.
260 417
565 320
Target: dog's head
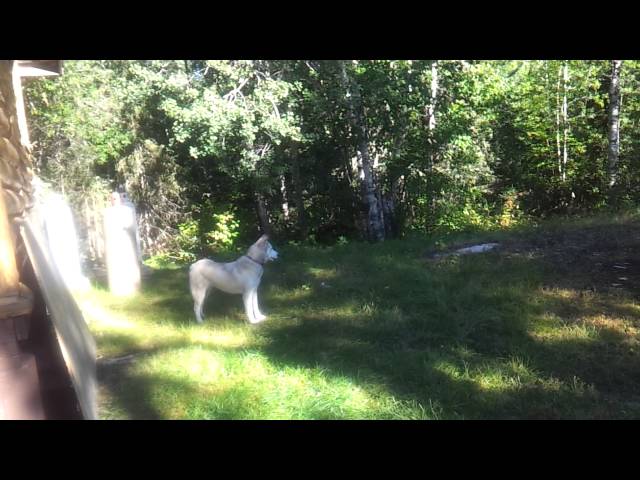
264 248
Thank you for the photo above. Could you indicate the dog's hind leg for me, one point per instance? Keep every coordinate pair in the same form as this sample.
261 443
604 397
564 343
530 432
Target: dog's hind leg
197 309
199 293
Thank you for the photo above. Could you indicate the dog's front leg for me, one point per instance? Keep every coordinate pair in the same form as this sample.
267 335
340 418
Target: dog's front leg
256 311
247 298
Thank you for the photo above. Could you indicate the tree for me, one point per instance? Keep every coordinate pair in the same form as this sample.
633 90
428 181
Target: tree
370 192
614 123
430 120
320 150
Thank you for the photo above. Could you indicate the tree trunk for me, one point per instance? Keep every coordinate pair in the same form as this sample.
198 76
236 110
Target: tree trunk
565 120
614 122
558 123
298 197
392 210
285 203
263 217
376 230
431 159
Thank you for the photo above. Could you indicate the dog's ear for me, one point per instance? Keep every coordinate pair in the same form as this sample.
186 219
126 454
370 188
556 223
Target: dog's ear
263 238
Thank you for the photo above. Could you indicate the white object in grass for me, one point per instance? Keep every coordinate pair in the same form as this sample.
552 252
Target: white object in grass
485 247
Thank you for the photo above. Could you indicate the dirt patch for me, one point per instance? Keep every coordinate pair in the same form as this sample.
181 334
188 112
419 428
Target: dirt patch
595 258
603 258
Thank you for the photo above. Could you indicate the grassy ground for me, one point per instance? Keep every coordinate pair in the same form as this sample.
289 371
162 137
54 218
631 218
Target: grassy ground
545 328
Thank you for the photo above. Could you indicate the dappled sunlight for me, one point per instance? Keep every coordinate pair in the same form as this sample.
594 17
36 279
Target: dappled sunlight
573 332
186 364
494 388
322 273
248 385
508 375
226 338
448 368
102 318
623 329
293 295
121 327
570 314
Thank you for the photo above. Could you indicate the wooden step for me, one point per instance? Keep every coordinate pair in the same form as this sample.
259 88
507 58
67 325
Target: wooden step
18 303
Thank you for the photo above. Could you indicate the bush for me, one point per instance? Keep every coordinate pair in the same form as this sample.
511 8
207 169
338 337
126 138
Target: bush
206 232
224 232
187 242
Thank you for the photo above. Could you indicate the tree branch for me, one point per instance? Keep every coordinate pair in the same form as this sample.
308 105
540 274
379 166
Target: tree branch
231 96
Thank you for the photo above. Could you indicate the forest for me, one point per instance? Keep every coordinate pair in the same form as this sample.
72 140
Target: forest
322 152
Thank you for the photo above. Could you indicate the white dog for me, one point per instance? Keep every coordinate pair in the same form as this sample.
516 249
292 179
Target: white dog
240 277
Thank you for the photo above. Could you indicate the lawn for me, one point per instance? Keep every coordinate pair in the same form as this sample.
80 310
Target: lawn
547 327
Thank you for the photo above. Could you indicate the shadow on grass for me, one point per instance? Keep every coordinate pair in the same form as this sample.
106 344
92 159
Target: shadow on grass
463 336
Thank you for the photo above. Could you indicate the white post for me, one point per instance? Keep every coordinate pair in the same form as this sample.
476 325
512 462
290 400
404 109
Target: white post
123 261
62 241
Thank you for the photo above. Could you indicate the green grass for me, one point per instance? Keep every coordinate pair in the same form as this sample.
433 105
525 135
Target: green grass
363 331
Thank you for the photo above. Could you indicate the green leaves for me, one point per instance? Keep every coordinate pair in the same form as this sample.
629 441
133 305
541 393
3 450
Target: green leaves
230 129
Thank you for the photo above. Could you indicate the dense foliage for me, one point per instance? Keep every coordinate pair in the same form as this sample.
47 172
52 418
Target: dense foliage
212 152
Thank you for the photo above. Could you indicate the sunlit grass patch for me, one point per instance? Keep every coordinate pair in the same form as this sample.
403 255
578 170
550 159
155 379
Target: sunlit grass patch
195 382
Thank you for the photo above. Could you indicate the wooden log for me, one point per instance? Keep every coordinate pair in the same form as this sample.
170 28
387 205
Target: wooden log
14 203
9 175
8 152
9 278
5 126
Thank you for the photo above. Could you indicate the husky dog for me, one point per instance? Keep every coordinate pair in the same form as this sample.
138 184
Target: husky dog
240 277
